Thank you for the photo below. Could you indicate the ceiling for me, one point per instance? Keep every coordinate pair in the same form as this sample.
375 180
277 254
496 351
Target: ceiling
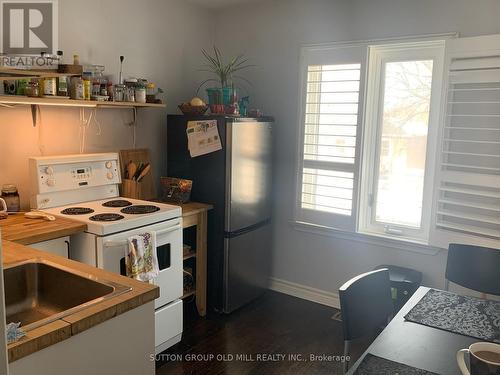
219 3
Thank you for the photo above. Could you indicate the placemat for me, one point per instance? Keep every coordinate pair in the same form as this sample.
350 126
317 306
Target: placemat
468 316
372 364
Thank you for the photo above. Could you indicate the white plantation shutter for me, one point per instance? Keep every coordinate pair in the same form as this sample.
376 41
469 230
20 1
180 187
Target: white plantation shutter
467 195
331 118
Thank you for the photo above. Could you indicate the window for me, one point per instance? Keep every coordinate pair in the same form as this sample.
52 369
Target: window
391 193
331 119
330 137
402 111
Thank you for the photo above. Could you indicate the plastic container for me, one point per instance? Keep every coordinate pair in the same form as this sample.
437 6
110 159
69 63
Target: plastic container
11 197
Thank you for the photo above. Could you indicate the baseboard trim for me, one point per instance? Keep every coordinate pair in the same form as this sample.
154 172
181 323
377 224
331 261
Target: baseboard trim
305 292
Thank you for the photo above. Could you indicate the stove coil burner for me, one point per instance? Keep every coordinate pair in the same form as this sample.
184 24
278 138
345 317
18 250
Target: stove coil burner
140 209
77 211
117 203
106 217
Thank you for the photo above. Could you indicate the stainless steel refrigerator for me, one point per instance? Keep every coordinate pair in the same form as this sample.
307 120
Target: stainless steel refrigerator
237 180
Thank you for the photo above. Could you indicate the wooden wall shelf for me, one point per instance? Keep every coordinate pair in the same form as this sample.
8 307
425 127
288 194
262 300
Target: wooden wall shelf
7 74
13 100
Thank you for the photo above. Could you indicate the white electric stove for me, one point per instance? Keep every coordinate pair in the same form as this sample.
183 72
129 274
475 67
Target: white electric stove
85 188
107 216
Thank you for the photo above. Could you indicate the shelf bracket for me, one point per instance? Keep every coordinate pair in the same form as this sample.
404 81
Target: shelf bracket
34 113
134 112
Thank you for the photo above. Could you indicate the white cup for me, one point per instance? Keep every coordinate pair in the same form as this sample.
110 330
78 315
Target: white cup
479 365
3 205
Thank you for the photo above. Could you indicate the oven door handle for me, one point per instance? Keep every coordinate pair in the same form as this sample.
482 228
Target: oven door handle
158 233
168 230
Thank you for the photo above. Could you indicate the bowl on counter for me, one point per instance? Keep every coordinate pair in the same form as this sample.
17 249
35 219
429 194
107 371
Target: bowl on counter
196 110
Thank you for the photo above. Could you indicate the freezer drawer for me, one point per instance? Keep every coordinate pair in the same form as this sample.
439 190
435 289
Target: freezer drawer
248 174
247 265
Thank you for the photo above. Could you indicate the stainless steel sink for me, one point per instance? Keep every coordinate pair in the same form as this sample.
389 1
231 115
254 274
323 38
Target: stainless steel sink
38 292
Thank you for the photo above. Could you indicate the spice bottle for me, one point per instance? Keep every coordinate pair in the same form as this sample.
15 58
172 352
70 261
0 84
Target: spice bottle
49 86
87 89
62 86
33 88
150 92
11 197
109 89
77 88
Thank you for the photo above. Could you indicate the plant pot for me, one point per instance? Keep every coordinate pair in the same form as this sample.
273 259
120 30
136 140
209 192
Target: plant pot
222 95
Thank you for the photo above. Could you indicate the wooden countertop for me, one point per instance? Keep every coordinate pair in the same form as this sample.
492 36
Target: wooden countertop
193 208
26 231
71 325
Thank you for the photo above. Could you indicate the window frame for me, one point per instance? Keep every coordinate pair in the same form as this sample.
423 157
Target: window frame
379 55
320 54
328 55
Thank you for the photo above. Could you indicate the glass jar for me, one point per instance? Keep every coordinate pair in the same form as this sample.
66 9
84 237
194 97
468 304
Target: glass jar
49 86
129 94
11 197
33 89
150 92
77 88
118 93
140 94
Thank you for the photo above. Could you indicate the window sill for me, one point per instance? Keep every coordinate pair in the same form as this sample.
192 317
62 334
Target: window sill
372 239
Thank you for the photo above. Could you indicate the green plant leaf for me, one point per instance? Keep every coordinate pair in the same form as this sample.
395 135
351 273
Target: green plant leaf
244 79
205 81
215 65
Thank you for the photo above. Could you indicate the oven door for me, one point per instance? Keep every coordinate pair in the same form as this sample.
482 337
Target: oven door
111 252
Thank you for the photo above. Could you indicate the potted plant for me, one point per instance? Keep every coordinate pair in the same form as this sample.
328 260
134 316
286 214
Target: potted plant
223 96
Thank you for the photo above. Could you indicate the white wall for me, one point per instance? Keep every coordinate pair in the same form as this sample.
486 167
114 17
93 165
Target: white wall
270 33
161 41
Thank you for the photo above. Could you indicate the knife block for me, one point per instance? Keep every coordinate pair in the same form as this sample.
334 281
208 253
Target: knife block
145 189
132 189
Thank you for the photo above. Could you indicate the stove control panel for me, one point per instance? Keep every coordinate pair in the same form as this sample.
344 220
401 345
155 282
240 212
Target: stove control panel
81 173
74 172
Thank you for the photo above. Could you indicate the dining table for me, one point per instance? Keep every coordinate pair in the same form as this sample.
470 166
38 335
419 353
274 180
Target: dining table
417 345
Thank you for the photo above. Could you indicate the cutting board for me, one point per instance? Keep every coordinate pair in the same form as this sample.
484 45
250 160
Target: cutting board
145 189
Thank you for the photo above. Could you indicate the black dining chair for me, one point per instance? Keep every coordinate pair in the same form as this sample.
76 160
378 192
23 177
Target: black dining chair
474 267
366 305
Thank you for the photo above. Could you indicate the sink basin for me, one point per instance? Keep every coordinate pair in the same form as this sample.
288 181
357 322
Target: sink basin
38 292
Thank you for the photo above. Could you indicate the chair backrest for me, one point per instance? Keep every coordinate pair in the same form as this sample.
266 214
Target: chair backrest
474 267
365 303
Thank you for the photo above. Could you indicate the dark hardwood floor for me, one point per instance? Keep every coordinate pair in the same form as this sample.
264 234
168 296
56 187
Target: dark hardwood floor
266 334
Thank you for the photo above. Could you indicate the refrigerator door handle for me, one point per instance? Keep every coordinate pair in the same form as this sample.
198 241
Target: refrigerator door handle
229 151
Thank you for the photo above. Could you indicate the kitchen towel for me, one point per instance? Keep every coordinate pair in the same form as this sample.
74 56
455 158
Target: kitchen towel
468 316
140 259
14 332
372 365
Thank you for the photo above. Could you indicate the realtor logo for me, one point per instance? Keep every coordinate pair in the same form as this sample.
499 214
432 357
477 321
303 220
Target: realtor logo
28 27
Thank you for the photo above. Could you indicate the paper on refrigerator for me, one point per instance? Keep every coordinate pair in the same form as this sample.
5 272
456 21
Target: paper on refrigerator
203 137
